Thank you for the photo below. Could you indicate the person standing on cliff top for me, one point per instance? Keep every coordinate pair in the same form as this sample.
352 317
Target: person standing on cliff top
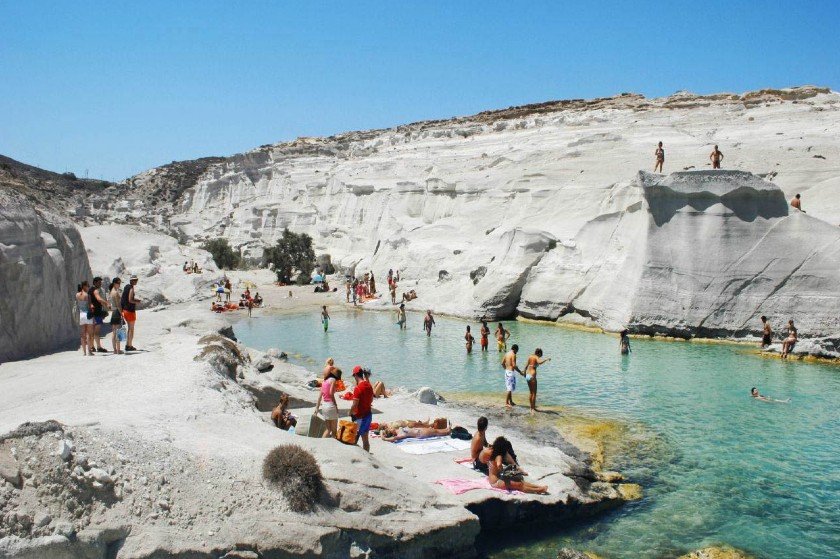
128 302
796 202
660 158
716 157
510 367
767 333
428 322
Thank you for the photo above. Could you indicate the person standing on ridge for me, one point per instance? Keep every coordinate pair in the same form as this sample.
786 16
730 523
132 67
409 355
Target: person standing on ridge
716 157
796 202
767 332
428 322
511 369
660 158
128 302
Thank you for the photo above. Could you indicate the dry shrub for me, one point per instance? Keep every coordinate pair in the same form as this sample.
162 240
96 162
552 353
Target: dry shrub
297 474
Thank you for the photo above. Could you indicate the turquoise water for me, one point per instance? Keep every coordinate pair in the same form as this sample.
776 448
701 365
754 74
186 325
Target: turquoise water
722 467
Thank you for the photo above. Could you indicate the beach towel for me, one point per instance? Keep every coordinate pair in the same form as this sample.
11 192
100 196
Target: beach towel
459 486
432 445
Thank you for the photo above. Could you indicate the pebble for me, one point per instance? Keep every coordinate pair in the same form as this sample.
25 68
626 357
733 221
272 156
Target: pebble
65 449
164 504
42 519
100 475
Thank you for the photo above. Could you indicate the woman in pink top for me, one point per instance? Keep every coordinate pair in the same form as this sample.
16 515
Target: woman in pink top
327 397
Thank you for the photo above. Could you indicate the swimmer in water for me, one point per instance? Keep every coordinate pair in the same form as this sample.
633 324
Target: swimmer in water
754 393
534 361
468 337
624 343
325 318
485 332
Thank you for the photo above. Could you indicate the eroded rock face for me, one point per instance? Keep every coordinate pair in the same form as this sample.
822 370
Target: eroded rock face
695 253
42 259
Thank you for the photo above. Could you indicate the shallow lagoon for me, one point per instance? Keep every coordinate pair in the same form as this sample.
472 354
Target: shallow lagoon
761 477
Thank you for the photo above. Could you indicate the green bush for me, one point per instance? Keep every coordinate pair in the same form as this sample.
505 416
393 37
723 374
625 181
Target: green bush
292 253
297 474
222 253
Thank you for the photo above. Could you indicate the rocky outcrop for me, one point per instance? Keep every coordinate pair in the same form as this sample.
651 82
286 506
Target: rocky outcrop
42 259
694 253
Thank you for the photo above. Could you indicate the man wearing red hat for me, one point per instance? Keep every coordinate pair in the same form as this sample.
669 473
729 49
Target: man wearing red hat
361 411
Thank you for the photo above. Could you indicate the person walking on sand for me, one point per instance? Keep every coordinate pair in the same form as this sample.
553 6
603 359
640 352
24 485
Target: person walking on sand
511 370
98 306
790 341
796 202
534 361
502 336
85 318
468 337
624 343
325 318
401 316
428 322
128 303
716 157
361 411
766 332
485 333
660 158
114 295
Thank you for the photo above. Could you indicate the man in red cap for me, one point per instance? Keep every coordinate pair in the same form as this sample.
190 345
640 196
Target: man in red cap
361 411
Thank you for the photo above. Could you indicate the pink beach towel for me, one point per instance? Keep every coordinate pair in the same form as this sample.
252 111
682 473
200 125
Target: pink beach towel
459 486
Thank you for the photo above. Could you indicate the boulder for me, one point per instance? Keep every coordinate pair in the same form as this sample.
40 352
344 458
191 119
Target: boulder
65 449
264 364
427 396
9 467
42 259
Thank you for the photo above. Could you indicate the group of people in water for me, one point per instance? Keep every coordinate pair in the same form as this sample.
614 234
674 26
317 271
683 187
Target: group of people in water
116 305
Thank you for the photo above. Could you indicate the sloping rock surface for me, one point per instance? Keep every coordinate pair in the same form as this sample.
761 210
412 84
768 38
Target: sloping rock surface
42 259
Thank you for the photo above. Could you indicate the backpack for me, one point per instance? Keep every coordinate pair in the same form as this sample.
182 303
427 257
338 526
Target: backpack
460 433
348 432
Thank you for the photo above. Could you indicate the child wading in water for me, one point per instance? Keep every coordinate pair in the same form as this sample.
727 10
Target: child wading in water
468 337
325 318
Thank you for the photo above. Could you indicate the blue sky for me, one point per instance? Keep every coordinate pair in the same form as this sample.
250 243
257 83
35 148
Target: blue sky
119 87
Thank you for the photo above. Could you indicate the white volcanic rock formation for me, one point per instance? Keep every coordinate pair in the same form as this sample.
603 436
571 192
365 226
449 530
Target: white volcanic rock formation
157 260
699 252
42 259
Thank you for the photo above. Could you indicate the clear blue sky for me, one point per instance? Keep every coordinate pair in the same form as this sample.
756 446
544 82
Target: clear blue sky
118 87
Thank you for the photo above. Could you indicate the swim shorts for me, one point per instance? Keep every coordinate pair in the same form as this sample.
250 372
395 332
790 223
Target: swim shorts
364 424
99 319
130 316
766 339
510 380
329 411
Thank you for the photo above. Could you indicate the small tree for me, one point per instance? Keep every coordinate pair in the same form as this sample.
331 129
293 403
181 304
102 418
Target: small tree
292 253
222 253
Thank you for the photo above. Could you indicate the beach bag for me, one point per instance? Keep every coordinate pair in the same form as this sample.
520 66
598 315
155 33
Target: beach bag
510 472
348 432
122 333
460 433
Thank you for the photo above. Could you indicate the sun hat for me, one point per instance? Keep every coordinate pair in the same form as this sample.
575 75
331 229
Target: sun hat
133 277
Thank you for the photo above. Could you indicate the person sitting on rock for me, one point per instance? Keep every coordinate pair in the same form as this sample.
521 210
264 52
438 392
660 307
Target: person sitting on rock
498 452
479 443
283 418
796 202
485 453
790 341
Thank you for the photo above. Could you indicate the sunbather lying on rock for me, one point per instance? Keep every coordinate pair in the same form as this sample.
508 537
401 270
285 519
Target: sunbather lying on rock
393 435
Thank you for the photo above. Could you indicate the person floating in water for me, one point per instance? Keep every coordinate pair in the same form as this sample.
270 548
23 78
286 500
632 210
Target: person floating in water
325 318
766 332
624 343
790 341
796 202
485 333
428 322
468 337
502 336
660 158
534 361
754 393
716 157
511 369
